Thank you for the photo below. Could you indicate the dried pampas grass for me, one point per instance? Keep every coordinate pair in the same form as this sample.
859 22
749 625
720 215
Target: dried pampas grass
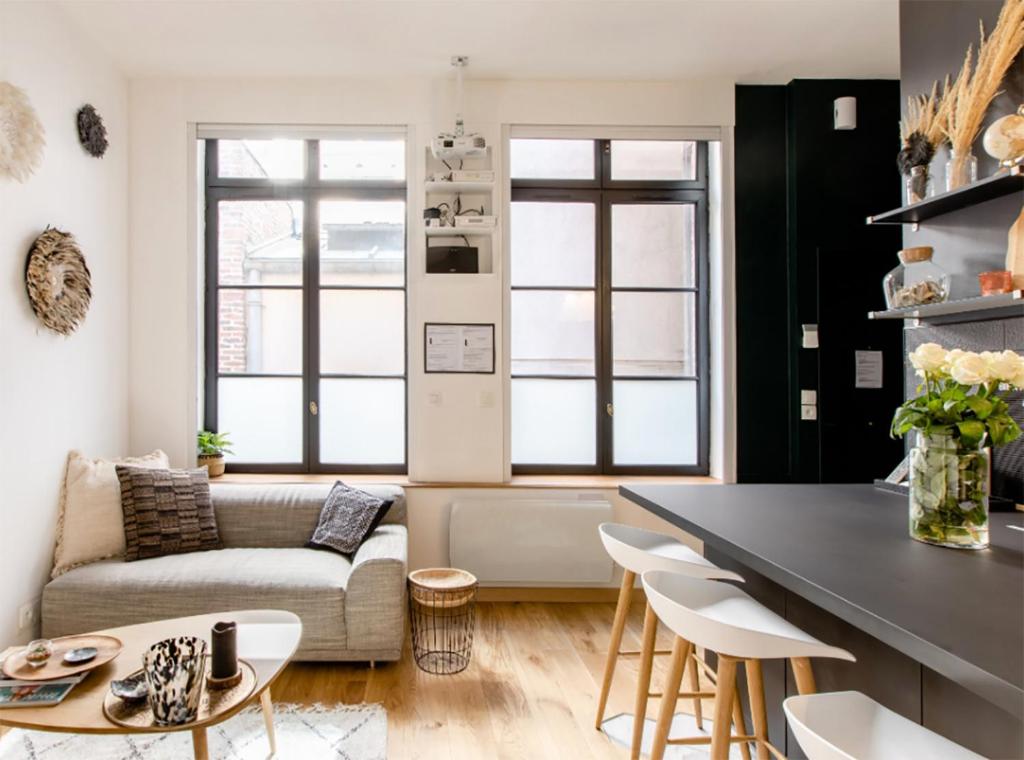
58 281
978 82
22 136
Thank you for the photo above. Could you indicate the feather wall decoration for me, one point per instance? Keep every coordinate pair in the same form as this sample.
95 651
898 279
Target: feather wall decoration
22 137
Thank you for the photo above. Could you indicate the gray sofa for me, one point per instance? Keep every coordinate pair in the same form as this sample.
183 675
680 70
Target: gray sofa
351 609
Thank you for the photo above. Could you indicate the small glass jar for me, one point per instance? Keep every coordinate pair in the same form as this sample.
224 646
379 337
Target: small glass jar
916 281
919 184
38 652
961 171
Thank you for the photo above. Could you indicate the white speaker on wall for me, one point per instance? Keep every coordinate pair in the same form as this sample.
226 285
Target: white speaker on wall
845 111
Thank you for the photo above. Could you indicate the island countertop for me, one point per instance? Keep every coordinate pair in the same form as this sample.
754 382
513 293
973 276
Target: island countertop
845 548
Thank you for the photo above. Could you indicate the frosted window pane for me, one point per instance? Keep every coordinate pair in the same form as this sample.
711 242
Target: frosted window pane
553 244
654 160
362 159
553 422
261 159
552 332
653 245
263 418
362 332
653 334
552 159
259 242
655 422
362 421
259 331
362 243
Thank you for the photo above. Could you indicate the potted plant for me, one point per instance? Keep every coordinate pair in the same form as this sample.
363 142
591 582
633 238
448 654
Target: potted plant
211 448
959 415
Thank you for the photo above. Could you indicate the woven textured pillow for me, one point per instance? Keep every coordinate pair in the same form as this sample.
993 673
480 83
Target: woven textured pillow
166 512
347 518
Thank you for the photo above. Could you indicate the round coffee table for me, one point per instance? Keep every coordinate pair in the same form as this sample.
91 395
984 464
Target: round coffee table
267 640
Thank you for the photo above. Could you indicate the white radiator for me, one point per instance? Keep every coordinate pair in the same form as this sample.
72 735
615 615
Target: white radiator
530 541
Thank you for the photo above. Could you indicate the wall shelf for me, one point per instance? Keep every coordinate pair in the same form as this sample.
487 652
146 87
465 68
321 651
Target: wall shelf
966 309
983 190
459 231
451 188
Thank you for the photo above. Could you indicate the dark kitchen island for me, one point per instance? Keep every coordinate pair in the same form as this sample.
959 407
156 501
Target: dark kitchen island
938 633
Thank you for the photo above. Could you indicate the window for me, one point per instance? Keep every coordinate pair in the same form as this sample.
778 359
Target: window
305 302
609 340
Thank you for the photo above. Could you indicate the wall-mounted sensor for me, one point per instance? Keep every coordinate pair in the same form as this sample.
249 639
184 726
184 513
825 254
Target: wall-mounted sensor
845 110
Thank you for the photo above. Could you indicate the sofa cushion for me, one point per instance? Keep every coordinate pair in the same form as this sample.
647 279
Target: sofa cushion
283 514
347 518
112 593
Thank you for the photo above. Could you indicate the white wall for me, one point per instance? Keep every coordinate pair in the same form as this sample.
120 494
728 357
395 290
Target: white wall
58 393
464 439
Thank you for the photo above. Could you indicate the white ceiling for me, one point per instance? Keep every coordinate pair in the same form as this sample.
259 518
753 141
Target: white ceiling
743 40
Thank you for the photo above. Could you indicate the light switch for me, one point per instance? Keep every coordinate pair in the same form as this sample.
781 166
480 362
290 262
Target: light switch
808 397
485 399
808 412
810 337
434 398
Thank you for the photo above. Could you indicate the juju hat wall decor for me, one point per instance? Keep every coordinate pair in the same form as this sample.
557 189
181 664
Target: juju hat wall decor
58 281
91 132
21 134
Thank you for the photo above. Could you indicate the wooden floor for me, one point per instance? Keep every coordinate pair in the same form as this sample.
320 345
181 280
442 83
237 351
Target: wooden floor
530 692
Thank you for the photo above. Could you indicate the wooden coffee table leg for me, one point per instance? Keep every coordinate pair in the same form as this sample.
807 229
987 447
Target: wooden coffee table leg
199 744
268 719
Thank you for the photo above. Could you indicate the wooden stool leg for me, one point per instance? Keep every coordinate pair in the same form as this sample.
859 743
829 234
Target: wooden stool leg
758 713
804 675
694 681
738 718
681 649
199 745
643 684
725 693
621 609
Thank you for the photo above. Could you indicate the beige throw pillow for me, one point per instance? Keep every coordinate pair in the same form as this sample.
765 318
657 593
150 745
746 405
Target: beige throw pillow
91 523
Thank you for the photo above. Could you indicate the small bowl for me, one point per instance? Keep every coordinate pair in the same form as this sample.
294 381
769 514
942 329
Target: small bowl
131 689
38 652
994 283
80 655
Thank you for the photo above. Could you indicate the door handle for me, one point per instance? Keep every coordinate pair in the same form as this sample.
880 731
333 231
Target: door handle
609 409
313 408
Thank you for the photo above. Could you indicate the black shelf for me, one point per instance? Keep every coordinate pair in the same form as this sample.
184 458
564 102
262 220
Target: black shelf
973 194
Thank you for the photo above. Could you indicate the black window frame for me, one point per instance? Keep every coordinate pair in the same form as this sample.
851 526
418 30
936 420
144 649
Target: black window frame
604 192
310 190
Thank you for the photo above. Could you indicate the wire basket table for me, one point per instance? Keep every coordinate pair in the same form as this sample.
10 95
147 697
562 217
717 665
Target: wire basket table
442 606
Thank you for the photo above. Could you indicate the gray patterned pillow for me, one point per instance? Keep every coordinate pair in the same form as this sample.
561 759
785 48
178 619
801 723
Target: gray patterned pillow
347 518
166 512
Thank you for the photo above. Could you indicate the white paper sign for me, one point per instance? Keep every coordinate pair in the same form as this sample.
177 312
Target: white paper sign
459 348
869 369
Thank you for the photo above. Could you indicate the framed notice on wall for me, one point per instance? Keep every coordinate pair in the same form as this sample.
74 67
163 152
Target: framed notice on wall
458 348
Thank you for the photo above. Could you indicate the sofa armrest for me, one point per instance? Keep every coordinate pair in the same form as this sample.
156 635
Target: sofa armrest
375 594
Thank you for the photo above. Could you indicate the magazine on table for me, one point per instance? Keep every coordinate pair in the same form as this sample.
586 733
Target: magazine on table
15 693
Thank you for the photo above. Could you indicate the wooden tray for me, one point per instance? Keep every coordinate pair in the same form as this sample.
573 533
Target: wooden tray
17 667
212 702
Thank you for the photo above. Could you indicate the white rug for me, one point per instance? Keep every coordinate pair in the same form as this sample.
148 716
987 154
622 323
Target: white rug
620 730
340 732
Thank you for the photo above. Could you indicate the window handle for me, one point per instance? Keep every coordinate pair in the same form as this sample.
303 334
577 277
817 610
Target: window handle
609 409
313 408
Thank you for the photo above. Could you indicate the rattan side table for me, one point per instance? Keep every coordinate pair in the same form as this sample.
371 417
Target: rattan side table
442 606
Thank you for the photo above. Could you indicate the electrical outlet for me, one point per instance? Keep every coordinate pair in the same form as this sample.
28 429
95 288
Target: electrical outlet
28 615
808 412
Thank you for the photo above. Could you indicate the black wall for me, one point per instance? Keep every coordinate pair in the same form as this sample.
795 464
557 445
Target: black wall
934 35
805 256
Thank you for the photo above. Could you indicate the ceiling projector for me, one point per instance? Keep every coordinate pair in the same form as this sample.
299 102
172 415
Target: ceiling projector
458 144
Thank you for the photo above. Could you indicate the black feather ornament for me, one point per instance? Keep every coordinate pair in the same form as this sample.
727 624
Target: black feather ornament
916 151
91 132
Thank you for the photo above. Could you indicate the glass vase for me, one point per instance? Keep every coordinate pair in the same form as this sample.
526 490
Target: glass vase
949 490
961 170
919 184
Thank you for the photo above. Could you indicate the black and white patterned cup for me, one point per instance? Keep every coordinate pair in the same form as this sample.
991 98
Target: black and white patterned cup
174 671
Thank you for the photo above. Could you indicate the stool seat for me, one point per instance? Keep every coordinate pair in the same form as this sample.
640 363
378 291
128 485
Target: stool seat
848 725
727 620
640 551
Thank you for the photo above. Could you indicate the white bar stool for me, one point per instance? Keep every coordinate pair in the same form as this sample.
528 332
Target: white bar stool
848 725
639 551
726 620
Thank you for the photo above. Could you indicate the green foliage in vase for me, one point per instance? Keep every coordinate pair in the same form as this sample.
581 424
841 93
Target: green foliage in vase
211 444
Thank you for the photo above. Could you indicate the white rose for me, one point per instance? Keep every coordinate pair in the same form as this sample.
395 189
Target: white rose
928 357
951 358
1004 365
969 369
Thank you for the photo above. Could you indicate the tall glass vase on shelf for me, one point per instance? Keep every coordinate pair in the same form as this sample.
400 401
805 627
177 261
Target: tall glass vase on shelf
918 185
961 170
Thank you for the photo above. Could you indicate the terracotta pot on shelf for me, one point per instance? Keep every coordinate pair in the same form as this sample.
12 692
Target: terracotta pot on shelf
214 464
994 283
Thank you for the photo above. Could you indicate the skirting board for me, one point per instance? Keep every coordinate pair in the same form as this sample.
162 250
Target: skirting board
554 594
